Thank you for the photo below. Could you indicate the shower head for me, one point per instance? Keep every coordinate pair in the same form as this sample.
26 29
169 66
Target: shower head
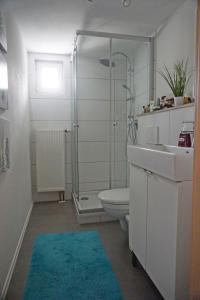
126 88
130 93
106 62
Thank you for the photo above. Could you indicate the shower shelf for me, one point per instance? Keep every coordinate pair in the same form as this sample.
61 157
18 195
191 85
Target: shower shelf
166 109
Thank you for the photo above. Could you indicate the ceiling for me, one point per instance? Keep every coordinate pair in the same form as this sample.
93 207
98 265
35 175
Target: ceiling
50 25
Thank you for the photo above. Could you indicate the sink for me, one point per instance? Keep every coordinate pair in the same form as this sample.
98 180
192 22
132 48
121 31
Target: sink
171 162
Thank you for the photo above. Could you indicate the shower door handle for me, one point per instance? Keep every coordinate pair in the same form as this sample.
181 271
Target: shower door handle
115 124
75 125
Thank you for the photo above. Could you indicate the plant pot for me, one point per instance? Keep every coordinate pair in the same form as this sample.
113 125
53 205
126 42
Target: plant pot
178 101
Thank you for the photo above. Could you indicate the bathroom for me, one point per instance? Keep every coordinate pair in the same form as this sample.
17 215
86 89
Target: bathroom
87 70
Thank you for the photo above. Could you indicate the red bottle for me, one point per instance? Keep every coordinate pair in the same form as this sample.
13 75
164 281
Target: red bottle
184 140
185 135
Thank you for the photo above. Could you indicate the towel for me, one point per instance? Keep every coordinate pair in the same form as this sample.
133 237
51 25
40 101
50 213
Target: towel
4 146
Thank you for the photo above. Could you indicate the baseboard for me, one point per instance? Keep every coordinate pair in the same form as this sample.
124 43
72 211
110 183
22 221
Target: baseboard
14 260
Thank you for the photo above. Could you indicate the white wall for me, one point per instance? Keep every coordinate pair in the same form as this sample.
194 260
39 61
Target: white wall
49 112
15 184
176 41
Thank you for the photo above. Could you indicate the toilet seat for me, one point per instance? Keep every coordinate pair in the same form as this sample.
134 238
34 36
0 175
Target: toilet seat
116 203
115 196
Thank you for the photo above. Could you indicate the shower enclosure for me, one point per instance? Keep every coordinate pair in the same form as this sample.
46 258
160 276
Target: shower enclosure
103 113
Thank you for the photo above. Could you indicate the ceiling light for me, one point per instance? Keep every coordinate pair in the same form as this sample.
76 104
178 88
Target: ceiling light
126 3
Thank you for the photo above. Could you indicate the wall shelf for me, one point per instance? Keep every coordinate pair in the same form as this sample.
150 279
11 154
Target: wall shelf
166 109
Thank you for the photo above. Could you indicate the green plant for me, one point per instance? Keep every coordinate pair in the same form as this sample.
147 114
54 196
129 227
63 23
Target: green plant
178 79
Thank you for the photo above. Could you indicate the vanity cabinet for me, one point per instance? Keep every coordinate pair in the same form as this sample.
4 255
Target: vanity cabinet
159 230
138 213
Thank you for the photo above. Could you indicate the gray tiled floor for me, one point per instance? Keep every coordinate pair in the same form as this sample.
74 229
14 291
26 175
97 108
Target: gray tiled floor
53 217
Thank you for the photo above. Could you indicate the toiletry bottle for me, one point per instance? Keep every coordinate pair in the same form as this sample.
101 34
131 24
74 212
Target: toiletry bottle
158 102
187 132
151 105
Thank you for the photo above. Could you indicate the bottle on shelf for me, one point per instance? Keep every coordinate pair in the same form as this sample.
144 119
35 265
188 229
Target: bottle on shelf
186 137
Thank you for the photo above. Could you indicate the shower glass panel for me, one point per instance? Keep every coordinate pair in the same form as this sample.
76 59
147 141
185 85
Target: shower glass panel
123 101
106 89
93 113
74 128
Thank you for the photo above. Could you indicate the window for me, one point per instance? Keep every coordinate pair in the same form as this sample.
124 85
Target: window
49 76
3 73
3 82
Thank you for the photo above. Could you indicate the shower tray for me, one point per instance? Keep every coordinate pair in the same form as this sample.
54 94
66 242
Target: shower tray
89 208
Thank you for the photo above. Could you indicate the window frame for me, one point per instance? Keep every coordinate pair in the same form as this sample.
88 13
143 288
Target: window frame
33 87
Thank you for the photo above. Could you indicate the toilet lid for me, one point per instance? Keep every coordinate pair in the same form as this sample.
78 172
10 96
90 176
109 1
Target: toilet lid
115 196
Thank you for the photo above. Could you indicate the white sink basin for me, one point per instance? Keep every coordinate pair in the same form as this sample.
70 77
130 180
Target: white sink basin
171 162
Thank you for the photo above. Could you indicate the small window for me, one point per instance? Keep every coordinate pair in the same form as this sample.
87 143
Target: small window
3 74
49 77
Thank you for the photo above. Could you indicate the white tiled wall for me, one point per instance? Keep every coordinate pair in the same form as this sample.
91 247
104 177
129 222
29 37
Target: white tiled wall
50 110
169 123
50 113
94 123
92 110
93 88
93 131
93 151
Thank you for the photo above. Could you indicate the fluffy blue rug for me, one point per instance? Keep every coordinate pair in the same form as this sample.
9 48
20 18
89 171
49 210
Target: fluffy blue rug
71 266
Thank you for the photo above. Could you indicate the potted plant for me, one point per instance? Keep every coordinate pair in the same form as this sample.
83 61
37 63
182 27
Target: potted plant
177 80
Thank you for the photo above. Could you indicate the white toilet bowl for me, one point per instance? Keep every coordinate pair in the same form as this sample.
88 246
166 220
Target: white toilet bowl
116 203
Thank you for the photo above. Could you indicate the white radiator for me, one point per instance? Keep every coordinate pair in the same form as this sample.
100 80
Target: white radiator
50 160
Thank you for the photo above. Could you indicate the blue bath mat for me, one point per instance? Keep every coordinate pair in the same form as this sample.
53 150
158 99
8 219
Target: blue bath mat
71 266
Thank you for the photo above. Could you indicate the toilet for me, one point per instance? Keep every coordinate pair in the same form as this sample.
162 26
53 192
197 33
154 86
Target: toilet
116 203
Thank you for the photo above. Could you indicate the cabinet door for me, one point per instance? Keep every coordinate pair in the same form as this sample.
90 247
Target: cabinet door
161 234
138 213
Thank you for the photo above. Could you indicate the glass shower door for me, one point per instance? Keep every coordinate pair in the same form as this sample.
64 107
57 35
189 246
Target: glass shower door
106 90
94 108
74 129
120 82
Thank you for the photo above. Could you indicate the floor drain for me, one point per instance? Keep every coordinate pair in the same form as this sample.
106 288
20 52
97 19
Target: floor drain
84 198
